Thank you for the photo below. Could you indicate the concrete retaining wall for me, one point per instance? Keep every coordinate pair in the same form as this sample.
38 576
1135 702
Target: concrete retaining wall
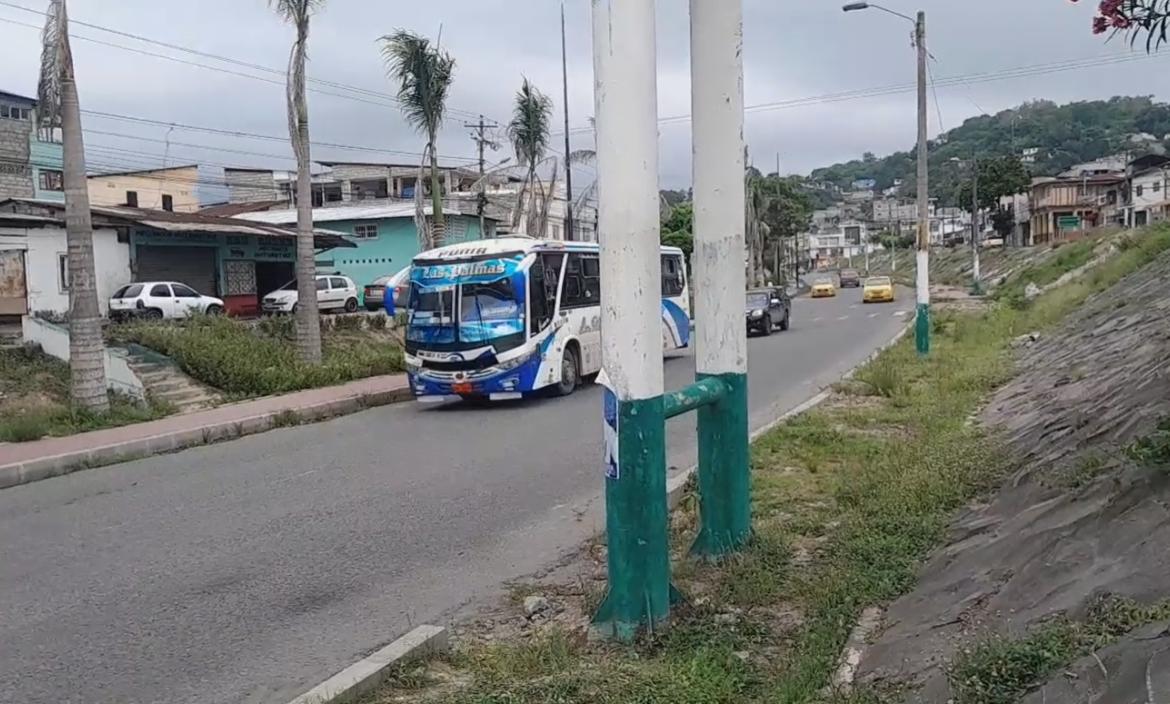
54 340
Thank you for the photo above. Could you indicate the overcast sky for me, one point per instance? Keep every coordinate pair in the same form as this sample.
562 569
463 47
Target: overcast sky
793 50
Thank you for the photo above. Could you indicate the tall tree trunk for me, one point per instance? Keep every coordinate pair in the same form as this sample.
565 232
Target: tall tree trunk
86 348
307 314
438 222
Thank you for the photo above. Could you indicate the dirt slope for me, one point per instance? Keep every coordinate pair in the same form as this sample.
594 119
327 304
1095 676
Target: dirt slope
1078 519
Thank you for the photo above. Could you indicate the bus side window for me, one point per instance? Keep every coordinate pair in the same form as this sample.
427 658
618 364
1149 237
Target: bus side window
538 297
672 275
552 278
591 273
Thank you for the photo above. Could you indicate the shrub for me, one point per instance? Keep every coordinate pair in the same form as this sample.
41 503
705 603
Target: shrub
231 356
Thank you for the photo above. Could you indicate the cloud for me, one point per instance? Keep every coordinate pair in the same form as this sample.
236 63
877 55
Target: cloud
791 51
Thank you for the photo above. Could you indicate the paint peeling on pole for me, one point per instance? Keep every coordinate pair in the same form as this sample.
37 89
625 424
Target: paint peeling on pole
922 279
627 177
721 336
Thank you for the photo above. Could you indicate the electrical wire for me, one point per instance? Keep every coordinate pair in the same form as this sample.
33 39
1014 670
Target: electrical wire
216 57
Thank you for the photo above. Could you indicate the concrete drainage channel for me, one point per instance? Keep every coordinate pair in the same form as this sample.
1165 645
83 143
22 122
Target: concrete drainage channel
368 673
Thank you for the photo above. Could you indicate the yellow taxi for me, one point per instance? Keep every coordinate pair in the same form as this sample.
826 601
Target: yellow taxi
823 288
878 289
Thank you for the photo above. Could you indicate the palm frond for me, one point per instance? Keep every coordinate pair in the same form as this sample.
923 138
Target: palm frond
586 195
531 124
424 74
295 11
582 156
55 59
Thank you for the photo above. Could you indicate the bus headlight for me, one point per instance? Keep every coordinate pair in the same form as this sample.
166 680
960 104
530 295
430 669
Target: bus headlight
515 363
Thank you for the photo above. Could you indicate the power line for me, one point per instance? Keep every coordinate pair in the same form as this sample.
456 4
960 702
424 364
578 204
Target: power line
256 136
394 100
983 77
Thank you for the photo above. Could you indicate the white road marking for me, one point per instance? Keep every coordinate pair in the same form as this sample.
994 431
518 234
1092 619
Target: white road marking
900 313
874 315
843 317
817 319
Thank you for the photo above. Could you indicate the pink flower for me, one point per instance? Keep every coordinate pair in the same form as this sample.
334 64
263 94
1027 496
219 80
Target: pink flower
1100 25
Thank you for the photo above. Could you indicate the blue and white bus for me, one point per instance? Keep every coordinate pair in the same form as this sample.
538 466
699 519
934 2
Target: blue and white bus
501 318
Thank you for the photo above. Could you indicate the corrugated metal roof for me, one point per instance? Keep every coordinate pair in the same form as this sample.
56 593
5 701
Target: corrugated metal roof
168 221
381 211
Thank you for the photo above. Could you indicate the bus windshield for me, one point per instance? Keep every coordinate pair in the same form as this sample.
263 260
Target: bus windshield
467 307
488 311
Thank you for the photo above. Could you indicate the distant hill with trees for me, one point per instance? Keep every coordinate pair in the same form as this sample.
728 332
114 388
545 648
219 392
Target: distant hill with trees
1063 135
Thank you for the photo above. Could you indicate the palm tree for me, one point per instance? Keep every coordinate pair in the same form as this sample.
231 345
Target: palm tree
59 108
529 132
424 74
297 13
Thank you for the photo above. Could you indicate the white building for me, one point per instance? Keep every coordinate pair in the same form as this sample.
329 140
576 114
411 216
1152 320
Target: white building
841 246
1146 199
34 261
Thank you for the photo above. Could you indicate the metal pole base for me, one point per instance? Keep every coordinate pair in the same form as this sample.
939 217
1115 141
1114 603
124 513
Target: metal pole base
724 475
636 514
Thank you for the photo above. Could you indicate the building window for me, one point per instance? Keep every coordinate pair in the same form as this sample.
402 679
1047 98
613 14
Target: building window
12 112
1156 186
52 180
132 199
1138 190
168 202
365 232
63 272
51 135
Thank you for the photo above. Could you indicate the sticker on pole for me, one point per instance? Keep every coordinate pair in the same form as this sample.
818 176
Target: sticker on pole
610 426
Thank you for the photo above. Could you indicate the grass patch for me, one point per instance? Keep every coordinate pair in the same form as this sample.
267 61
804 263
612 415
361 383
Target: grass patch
1153 449
1067 258
244 360
1002 670
847 500
35 400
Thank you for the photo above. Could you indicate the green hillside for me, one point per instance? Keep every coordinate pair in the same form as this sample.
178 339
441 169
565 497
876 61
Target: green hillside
1064 134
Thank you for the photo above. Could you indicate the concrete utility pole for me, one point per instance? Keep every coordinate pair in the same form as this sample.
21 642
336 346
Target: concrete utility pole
976 231
481 140
922 275
720 281
626 97
635 409
569 224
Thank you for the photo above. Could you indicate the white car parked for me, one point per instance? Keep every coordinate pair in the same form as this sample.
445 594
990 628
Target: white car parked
161 299
334 292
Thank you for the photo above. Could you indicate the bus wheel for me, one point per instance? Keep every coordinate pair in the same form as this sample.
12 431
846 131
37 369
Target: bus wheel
570 372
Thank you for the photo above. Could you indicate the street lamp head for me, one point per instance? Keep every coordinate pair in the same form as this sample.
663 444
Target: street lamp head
856 6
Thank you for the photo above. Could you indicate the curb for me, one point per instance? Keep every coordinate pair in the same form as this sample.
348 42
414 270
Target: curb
57 465
368 673
676 486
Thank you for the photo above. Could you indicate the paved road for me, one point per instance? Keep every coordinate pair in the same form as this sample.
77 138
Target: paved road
249 571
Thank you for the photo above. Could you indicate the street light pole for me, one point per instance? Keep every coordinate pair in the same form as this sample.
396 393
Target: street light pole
922 278
976 230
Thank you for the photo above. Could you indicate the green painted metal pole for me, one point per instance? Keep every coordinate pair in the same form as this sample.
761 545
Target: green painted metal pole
701 393
720 280
631 323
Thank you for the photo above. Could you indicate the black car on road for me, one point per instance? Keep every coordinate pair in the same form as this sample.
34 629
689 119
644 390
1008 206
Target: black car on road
767 309
850 278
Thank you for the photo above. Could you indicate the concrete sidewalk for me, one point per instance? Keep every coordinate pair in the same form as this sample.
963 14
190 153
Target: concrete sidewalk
21 463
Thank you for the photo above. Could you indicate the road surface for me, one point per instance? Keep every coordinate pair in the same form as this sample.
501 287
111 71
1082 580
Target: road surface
249 571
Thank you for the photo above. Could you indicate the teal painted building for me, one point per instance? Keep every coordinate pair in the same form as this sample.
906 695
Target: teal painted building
384 236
